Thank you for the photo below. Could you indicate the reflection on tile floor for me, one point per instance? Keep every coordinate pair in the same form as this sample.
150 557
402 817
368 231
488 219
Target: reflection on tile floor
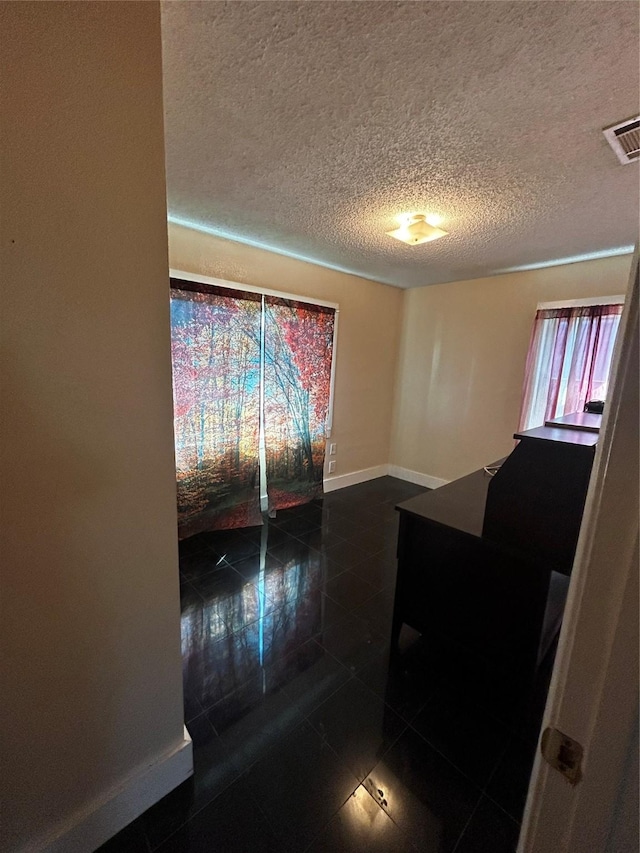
307 734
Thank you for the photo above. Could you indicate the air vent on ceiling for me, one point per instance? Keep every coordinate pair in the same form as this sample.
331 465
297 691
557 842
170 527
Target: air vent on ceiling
624 138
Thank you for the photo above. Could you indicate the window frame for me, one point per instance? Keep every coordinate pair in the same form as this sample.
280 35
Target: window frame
580 303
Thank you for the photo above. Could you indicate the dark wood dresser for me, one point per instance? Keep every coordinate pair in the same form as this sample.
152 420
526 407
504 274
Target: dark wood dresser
484 561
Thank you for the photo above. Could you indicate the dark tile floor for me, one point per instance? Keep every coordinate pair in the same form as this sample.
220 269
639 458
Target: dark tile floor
307 735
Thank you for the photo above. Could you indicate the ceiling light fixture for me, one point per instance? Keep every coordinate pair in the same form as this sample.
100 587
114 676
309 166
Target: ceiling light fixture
417 230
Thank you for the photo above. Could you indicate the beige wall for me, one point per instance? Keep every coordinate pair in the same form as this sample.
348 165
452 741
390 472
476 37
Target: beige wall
368 334
90 656
462 359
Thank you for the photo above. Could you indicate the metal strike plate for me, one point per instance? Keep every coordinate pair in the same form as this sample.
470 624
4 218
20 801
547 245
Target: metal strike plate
563 753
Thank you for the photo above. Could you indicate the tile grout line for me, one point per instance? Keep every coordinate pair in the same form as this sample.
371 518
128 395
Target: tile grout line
467 824
446 758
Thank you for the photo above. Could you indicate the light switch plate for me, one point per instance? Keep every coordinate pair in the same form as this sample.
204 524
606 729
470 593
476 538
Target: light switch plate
332 448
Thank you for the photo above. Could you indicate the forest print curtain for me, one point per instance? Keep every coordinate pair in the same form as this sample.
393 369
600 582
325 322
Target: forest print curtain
215 347
246 366
298 346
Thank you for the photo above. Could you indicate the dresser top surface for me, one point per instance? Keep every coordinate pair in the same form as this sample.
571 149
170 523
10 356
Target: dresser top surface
561 435
459 504
588 421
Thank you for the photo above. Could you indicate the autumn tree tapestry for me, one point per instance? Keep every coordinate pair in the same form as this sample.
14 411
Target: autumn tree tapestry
215 347
298 344
245 363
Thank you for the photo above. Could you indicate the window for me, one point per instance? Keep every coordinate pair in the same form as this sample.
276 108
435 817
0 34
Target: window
569 358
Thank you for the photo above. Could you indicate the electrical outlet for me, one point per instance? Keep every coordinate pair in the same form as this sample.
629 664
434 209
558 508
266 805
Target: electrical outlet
332 466
332 448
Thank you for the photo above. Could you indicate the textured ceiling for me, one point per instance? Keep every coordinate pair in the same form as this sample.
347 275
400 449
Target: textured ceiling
308 126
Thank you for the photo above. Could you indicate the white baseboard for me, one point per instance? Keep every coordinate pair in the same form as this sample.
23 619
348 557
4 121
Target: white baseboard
91 826
416 477
355 477
343 480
